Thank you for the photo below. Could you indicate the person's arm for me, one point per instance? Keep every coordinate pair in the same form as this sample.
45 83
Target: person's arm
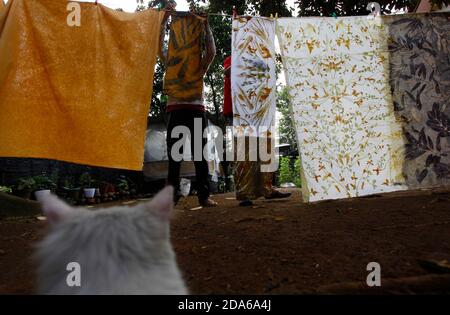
162 49
210 52
170 6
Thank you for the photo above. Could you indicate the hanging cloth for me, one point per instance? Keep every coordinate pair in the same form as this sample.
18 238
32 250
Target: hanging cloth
79 94
183 81
338 78
420 79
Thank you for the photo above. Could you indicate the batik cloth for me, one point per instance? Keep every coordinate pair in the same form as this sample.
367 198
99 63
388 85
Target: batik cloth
337 74
79 94
253 88
251 180
253 76
420 78
183 81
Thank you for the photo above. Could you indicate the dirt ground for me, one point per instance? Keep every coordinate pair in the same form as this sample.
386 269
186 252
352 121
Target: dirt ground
285 246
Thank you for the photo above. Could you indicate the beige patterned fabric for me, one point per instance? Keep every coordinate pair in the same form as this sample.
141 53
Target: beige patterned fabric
253 76
253 89
337 72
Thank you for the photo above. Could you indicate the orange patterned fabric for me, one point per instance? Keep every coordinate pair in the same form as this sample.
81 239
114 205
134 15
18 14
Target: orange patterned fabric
76 93
184 76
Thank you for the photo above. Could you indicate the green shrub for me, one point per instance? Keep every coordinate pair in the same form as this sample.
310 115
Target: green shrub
5 189
289 171
26 184
122 184
285 170
86 180
44 182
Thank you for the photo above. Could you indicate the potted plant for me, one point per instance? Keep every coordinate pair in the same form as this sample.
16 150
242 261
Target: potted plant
44 185
123 187
25 187
86 183
72 190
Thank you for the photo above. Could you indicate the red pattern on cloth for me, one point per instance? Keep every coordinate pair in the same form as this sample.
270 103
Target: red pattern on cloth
227 105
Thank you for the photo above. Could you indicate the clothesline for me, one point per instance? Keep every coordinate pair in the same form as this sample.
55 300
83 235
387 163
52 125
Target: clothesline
274 17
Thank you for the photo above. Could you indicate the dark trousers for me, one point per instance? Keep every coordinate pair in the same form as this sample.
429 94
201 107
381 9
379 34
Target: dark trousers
186 118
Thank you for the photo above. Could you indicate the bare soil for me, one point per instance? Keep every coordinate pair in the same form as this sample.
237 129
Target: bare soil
284 246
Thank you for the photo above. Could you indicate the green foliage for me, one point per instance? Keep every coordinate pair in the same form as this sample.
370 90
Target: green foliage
286 126
214 79
159 100
289 171
257 7
86 180
5 189
39 182
70 183
26 184
44 182
353 7
311 7
286 174
122 184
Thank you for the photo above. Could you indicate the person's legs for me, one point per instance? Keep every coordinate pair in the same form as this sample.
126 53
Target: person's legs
173 177
246 173
201 166
267 177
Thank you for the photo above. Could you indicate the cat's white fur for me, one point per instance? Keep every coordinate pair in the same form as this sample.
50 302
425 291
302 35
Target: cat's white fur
121 250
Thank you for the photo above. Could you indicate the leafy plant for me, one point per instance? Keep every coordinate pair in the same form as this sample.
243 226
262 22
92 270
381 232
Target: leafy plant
86 180
26 184
286 127
70 183
285 170
5 189
44 182
122 184
289 174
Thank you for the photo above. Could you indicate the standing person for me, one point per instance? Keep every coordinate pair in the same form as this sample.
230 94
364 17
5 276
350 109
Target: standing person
227 113
250 182
186 66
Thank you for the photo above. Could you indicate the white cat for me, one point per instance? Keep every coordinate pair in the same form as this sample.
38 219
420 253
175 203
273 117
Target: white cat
120 250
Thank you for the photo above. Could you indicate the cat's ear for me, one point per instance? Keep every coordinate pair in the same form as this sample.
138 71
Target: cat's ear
162 203
54 209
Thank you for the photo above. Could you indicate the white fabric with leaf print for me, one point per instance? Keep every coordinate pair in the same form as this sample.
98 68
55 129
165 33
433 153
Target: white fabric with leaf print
337 73
253 75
